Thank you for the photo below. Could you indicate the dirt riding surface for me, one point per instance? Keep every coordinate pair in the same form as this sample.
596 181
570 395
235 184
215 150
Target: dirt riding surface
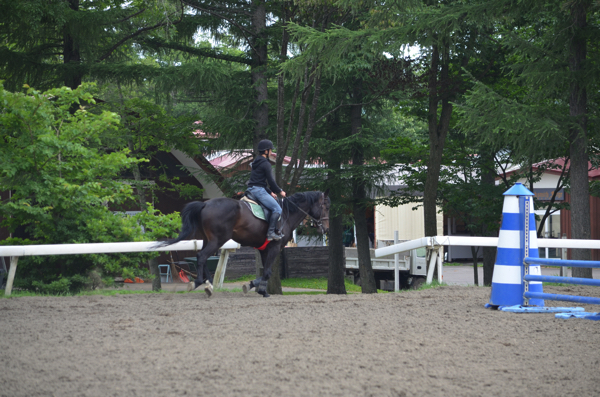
439 342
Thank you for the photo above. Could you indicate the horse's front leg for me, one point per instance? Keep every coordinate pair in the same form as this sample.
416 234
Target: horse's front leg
252 284
268 257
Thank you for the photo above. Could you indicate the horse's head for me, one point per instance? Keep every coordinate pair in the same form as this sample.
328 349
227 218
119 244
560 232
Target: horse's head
320 211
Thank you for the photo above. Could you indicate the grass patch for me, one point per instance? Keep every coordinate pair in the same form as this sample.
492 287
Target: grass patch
101 292
308 283
315 283
223 290
306 293
461 264
248 277
434 284
556 285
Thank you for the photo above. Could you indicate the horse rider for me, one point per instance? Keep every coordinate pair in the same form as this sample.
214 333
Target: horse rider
261 176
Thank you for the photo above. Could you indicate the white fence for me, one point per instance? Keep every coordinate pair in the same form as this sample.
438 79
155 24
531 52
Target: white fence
16 251
434 245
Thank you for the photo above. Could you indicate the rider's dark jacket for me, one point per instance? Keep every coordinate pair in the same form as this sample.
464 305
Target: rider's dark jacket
262 175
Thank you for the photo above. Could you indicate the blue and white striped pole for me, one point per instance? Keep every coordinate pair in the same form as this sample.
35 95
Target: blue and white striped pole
507 282
529 248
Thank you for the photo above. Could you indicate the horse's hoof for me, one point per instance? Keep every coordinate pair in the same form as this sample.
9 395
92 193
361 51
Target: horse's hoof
265 294
245 288
208 288
191 286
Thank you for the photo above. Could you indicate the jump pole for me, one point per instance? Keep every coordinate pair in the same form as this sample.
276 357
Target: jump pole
516 241
532 295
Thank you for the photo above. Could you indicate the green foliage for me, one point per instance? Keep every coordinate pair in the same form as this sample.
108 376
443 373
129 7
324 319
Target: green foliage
50 43
61 181
53 160
315 283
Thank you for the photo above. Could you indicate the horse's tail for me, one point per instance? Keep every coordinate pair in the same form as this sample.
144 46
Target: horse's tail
190 219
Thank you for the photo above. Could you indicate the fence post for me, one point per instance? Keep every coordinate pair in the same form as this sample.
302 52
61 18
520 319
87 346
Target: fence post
433 254
563 256
221 268
11 275
439 263
396 265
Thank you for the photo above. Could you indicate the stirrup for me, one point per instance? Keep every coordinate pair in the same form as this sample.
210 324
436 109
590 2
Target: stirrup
274 237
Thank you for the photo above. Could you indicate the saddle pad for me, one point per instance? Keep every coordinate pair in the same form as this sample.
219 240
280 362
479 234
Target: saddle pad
256 209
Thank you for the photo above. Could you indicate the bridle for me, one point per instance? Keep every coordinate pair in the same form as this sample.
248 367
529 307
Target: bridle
319 221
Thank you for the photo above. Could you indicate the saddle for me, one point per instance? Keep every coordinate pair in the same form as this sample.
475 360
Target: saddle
258 210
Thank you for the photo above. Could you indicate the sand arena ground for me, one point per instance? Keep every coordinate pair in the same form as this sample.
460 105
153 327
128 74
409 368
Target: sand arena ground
438 342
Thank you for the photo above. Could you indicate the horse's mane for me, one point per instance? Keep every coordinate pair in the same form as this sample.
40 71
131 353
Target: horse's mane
299 199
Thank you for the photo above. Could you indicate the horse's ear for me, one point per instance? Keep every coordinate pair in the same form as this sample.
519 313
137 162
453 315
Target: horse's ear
326 192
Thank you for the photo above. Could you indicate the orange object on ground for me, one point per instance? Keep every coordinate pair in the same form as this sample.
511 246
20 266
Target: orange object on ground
128 280
138 280
183 277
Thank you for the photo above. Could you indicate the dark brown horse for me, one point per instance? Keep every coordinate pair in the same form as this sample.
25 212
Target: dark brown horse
218 220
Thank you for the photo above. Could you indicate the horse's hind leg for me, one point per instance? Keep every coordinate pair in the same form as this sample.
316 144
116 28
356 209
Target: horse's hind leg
204 276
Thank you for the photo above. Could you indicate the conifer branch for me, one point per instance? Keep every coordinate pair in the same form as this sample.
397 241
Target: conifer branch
204 52
212 10
245 32
131 36
132 16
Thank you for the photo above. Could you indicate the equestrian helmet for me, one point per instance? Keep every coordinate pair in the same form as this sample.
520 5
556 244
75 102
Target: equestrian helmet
265 144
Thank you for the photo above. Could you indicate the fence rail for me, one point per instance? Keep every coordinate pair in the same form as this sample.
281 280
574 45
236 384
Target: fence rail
103 248
433 244
16 251
466 241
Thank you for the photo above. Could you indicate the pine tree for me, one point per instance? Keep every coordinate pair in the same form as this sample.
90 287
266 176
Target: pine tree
53 43
552 47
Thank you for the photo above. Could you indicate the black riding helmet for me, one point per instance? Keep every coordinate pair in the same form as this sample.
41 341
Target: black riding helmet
265 144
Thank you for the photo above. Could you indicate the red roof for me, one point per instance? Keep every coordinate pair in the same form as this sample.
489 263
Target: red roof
556 166
593 173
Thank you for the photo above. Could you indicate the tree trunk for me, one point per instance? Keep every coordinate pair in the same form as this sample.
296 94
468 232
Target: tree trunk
301 118
72 77
335 277
474 252
310 126
156 282
438 129
258 72
580 195
359 207
488 178
274 283
282 140
137 176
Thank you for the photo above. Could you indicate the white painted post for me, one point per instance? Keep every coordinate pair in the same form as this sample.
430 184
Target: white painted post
221 268
396 265
449 234
439 263
11 275
546 234
432 264
563 269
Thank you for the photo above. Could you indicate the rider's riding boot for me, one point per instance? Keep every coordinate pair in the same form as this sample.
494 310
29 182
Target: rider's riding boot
271 235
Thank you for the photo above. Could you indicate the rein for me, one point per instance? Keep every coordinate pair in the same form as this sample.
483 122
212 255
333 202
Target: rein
317 221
